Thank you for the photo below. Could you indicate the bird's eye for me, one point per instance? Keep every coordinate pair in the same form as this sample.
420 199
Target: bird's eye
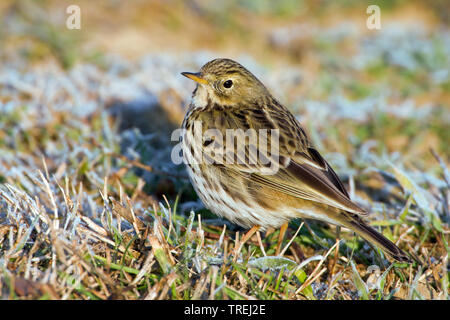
228 84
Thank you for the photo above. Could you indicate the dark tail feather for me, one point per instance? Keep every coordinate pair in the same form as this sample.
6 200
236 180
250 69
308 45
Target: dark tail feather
368 233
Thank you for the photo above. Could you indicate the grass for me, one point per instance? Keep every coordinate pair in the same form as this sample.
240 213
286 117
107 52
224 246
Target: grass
91 207
55 251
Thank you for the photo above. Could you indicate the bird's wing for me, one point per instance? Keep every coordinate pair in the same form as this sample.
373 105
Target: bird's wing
309 183
298 170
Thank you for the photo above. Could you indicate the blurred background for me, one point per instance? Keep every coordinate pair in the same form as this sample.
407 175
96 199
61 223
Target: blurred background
86 117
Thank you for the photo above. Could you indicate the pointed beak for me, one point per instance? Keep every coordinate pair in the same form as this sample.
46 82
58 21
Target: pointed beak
197 77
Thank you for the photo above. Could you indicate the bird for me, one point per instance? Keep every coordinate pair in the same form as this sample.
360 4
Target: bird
251 161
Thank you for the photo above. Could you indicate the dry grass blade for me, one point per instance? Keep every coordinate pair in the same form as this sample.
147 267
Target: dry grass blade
317 272
94 205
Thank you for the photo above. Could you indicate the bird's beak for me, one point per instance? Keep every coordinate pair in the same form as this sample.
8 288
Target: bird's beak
197 77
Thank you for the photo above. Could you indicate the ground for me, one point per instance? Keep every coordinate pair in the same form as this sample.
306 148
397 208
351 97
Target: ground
92 207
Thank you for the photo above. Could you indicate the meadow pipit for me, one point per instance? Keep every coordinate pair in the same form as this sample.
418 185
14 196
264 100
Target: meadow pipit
250 160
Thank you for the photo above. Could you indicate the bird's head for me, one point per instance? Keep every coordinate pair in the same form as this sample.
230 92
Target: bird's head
225 82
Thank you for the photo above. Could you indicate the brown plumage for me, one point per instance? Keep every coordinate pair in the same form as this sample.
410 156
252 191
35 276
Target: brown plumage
255 181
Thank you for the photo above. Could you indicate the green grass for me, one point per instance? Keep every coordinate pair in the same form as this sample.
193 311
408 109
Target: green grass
90 211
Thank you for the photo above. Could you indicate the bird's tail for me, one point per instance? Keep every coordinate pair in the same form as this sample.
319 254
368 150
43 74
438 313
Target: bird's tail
356 224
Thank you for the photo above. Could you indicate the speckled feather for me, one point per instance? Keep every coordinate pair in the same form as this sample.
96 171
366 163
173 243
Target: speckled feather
304 184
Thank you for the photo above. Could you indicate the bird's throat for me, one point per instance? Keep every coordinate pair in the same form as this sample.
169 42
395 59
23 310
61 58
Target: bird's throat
200 97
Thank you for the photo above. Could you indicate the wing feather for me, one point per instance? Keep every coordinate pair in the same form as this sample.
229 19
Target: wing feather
301 171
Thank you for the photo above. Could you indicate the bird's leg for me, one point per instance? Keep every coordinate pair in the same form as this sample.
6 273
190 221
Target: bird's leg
244 239
338 232
249 234
281 237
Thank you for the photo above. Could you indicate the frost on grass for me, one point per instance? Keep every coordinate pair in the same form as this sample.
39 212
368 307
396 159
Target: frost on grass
91 207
